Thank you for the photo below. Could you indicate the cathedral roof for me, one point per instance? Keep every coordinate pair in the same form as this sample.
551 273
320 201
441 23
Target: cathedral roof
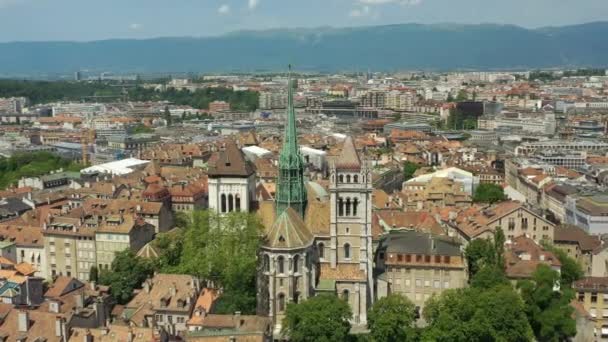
288 231
349 158
231 162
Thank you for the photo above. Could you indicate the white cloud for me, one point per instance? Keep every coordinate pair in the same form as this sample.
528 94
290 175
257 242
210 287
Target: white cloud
253 4
135 26
359 12
224 9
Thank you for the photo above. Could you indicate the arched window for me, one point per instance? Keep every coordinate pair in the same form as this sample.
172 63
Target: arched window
223 204
296 264
355 179
345 295
347 178
347 212
266 263
347 251
237 202
230 203
281 264
340 207
341 178
281 302
321 248
355 205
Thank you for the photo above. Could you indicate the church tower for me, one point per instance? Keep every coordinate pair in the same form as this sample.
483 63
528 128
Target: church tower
291 191
350 230
231 181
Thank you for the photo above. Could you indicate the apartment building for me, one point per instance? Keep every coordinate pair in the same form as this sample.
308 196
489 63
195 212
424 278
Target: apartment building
514 218
419 265
165 301
589 212
29 244
118 233
592 293
68 244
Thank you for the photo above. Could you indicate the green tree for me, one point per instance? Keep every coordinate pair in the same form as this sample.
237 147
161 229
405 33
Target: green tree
462 96
391 319
223 250
489 276
570 270
548 309
167 116
127 273
478 253
489 193
94 274
32 164
487 255
409 169
473 314
319 319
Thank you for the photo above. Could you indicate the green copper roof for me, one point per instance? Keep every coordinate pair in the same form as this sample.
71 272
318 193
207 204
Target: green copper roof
291 191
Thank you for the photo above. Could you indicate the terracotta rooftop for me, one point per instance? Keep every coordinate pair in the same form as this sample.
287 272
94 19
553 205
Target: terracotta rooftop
349 158
231 162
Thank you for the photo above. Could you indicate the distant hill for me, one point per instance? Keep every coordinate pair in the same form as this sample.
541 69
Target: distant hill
390 47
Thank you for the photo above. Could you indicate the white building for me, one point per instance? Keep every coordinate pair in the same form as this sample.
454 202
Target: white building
469 181
231 182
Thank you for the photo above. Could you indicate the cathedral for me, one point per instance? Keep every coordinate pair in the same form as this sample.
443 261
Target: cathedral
318 240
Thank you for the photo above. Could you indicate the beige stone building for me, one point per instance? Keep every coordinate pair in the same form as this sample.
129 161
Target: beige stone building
436 193
165 301
578 244
118 233
419 265
69 247
514 218
592 293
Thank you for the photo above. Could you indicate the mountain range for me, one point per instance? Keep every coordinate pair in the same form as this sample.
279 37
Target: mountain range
388 47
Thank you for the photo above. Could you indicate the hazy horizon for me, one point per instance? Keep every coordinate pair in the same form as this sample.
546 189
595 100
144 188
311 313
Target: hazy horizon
82 20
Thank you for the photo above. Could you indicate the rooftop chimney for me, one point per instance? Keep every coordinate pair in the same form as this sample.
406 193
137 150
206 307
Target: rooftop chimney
23 321
87 336
59 327
79 300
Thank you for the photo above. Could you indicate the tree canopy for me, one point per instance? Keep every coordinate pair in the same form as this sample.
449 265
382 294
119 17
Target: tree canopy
32 164
391 319
319 319
570 270
221 250
548 309
489 193
200 98
127 273
494 314
409 169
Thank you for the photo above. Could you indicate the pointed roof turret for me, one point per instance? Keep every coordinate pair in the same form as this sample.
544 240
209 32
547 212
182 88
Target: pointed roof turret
349 158
291 191
231 162
288 231
290 144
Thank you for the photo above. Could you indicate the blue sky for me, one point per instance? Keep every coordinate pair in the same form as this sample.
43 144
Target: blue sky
102 19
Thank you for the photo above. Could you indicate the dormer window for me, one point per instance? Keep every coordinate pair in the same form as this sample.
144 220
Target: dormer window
281 238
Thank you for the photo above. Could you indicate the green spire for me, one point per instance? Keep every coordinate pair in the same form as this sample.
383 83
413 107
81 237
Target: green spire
291 191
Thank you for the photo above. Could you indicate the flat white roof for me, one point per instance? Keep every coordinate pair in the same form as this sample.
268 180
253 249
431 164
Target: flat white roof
118 167
256 150
311 150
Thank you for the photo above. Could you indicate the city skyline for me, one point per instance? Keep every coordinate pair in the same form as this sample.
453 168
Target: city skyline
70 20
